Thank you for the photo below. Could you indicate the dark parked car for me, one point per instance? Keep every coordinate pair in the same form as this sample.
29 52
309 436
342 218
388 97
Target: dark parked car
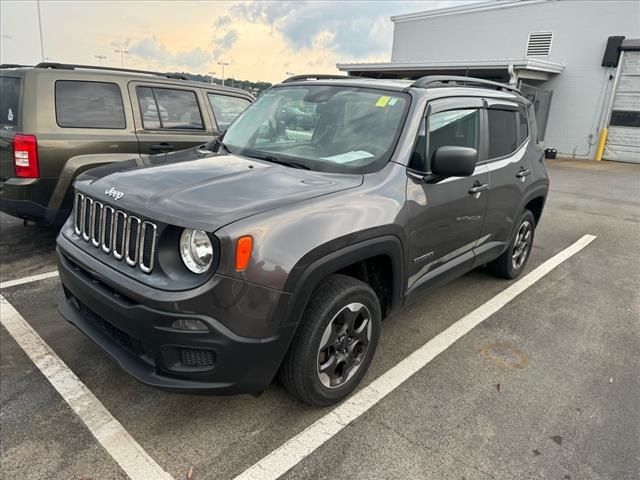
282 250
58 120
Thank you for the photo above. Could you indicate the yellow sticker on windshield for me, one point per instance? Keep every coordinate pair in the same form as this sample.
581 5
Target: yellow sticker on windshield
382 101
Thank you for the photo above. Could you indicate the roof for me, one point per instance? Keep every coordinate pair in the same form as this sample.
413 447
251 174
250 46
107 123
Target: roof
68 70
524 63
469 8
438 89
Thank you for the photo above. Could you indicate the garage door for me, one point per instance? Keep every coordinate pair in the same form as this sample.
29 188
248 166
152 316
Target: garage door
623 141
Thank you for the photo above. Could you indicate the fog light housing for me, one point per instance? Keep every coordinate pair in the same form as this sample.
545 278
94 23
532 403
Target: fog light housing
190 324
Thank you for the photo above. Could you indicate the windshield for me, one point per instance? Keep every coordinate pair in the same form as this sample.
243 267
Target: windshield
327 128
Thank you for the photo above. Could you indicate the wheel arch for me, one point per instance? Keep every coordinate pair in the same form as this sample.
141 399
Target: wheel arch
304 279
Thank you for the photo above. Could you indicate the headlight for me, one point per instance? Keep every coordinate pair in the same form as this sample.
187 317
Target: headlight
196 250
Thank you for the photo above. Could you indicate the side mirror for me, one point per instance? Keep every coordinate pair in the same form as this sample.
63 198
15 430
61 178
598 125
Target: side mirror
454 161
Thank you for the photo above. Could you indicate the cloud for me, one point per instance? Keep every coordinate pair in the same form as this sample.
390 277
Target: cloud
152 50
355 29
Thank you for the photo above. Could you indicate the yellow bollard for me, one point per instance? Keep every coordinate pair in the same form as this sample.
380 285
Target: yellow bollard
601 142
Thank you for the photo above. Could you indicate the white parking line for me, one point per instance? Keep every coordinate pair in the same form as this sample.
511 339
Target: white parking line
295 450
32 278
131 457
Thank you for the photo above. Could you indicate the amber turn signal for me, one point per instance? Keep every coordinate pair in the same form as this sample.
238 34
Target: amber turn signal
243 252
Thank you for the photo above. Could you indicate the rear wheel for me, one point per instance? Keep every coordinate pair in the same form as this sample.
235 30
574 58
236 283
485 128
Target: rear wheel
512 262
335 343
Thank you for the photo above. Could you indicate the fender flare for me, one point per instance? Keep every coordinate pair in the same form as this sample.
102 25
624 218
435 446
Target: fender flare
303 281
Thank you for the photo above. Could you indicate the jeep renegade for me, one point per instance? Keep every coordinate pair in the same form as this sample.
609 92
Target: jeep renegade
328 205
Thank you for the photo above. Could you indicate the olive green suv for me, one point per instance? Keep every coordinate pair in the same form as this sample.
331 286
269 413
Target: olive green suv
59 120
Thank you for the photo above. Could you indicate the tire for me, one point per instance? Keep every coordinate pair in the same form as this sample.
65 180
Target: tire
511 264
338 335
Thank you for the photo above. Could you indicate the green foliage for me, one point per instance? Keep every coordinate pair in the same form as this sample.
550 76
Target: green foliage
256 88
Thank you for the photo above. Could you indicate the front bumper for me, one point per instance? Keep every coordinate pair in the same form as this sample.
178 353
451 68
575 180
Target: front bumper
141 340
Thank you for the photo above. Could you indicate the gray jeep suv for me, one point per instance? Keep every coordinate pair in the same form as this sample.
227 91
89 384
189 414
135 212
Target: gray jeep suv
283 245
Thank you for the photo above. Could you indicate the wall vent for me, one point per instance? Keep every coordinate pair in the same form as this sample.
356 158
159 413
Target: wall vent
539 44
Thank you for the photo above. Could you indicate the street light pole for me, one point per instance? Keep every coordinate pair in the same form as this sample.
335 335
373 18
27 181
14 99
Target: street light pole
40 29
4 47
211 74
101 58
122 53
224 64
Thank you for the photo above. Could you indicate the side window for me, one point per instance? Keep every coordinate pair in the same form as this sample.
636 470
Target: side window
523 125
81 104
226 109
503 139
453 128
164 108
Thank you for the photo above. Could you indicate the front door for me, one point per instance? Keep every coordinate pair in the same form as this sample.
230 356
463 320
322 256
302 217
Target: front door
446 217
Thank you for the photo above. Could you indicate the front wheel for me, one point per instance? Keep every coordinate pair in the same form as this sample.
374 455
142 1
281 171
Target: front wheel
512 262
335 343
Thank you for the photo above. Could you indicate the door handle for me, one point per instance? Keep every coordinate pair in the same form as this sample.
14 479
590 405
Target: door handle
477 188
161 147
524 172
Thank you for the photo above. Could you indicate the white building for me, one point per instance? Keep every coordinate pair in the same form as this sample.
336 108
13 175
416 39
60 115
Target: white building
553 49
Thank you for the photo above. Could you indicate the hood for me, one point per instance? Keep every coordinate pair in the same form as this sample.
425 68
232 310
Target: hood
204 190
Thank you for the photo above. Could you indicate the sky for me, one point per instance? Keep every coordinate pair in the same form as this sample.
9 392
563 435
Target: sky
260 40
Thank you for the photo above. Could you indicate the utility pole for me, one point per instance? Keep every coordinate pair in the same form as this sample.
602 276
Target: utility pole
100 58
224 64
4 47
211 74
40 29
122 53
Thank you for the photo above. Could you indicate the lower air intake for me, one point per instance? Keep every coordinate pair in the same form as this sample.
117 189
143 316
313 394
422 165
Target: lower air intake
195 357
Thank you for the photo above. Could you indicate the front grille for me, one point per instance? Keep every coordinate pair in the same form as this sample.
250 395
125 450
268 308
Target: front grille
115 232
196 357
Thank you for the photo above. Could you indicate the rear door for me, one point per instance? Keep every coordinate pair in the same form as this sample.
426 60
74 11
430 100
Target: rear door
509 158
10 119
446 217
169 117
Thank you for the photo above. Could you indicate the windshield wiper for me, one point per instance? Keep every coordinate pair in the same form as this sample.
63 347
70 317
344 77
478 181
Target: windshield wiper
279 161
219 143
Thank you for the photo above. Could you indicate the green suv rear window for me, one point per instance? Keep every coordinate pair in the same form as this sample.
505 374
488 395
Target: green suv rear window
9 100
81 104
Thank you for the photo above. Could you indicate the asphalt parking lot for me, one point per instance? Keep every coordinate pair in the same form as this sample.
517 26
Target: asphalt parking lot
547 387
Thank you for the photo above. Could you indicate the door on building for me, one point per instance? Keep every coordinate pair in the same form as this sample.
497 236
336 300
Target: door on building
541 100
623 139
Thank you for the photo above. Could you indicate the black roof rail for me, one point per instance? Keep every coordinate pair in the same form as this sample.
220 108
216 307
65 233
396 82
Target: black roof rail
71 66
431 81
13 65
315 76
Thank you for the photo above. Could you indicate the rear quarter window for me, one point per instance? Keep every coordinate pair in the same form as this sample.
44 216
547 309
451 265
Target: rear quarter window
9 100
82 104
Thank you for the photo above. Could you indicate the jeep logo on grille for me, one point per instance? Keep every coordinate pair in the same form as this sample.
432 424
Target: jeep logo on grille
112 192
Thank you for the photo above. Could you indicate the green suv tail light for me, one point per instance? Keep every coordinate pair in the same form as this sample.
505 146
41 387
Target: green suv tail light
25 156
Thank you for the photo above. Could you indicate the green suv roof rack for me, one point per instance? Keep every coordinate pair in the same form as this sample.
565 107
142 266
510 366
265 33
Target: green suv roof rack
71 66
